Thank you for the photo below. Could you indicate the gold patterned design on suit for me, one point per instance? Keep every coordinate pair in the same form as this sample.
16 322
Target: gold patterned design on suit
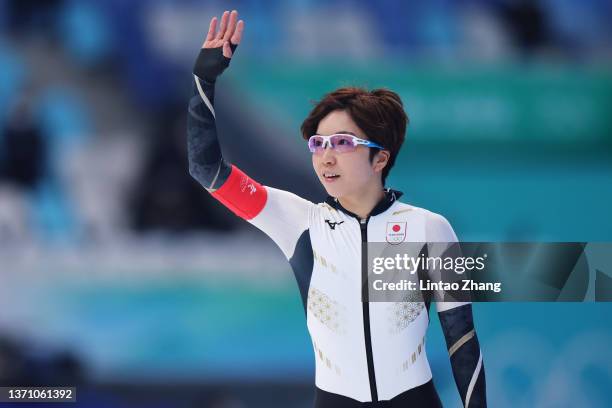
326 361
326 310
401 314
319 259
413 356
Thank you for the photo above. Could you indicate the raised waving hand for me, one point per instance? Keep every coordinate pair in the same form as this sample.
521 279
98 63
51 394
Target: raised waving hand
219 46
230 32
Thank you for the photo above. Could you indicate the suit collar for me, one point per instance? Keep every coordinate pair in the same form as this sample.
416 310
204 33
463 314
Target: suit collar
383 205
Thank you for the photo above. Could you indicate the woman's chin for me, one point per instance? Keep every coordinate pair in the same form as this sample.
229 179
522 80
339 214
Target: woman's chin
333 190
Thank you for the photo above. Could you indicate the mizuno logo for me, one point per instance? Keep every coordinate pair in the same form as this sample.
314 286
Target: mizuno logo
332 225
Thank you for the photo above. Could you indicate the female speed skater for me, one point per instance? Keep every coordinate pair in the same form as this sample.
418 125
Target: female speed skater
368 354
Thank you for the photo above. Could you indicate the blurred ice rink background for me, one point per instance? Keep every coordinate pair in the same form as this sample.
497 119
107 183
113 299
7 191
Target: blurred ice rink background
119 274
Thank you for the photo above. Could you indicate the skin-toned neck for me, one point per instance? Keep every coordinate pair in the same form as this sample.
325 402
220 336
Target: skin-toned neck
363 202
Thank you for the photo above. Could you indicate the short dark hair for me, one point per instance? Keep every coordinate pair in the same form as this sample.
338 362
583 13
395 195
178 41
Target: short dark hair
379 113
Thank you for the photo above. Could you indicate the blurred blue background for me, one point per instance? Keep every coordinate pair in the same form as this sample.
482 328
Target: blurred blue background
119 274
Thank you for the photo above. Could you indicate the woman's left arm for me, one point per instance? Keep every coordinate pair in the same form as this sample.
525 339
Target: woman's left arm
458 327
464 352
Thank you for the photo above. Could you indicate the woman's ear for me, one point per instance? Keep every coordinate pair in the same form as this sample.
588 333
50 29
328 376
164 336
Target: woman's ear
381 159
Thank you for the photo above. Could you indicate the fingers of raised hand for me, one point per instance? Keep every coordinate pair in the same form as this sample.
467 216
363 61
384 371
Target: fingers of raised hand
237 36
227 51
231 27
211 29
223 27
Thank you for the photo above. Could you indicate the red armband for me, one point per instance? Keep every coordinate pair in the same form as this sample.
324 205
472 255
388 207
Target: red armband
241 194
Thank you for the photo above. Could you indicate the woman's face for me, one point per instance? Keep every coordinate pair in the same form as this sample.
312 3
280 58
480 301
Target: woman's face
353 171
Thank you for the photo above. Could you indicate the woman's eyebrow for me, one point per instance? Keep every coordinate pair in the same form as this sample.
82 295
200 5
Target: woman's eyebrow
341 132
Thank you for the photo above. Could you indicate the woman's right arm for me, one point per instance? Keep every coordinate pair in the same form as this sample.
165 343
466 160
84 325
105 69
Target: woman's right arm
206 163
281 215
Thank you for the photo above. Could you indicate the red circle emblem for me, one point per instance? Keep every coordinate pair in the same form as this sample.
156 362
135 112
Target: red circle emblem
396 228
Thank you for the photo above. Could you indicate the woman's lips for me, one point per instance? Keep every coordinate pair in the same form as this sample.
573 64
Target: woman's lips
330 177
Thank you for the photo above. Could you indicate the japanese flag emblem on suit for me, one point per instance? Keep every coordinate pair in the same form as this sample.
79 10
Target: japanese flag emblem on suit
396 232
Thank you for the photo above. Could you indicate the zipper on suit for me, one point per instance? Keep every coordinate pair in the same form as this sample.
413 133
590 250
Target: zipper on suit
363 224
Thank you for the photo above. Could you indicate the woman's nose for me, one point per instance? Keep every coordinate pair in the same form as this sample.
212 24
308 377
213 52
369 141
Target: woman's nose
328 155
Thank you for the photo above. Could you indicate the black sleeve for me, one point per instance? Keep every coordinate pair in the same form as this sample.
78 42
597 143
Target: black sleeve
465 355
206 163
